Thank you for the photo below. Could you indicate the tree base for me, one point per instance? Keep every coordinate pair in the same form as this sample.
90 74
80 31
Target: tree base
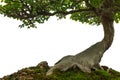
85 61
39 73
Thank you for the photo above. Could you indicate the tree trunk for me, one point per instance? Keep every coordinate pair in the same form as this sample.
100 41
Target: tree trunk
91 57
107 22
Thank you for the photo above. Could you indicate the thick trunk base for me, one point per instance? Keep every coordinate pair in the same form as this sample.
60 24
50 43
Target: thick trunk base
85 61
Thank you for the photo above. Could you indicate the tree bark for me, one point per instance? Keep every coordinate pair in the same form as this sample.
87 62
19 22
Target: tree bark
107 22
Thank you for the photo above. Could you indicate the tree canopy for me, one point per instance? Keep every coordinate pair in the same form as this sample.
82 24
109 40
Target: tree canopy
32 11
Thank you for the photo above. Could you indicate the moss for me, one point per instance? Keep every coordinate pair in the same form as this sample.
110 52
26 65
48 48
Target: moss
37 73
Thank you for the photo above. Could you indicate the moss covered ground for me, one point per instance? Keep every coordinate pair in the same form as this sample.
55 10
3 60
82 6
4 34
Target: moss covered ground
37 73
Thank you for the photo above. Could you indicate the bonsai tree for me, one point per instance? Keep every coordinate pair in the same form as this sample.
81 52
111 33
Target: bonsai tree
97 12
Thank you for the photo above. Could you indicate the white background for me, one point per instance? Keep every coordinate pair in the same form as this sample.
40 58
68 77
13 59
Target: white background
20 48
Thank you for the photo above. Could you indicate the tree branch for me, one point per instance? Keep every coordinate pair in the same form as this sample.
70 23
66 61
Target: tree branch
64 13
88 4
44 13
91 7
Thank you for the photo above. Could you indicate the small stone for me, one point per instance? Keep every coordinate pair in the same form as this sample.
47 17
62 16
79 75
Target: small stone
43 64
105 68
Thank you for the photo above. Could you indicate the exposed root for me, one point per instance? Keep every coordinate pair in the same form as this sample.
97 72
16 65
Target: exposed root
85 61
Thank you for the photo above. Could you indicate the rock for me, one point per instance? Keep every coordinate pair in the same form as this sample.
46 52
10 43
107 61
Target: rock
43 64
105 68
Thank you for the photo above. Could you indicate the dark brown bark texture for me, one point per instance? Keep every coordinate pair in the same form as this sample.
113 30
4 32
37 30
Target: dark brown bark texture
91 57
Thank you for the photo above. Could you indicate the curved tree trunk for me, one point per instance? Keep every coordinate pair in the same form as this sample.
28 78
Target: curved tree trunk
91 57
107 22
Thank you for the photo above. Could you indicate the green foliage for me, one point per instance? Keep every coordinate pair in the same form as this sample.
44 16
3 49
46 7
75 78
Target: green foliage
32 11
96 3
88 18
